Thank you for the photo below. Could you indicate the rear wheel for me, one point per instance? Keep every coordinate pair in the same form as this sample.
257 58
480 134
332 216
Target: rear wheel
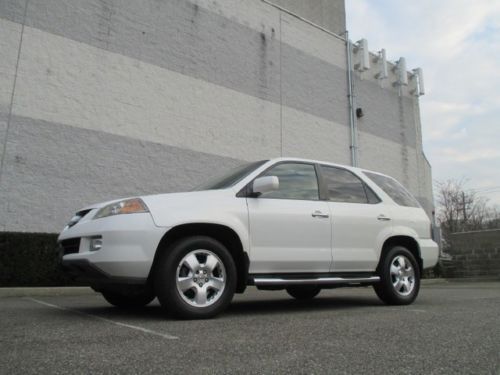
399 277
129 300
303 292
195 278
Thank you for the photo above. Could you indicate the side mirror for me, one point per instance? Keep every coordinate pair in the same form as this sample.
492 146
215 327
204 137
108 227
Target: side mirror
265 184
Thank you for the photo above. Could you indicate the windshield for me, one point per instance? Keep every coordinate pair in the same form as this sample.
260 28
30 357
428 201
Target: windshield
230 178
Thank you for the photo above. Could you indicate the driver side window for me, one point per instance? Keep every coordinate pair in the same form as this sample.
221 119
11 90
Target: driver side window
296 181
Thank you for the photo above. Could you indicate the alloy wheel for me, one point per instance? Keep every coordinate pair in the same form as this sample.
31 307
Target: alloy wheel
402 275
200 278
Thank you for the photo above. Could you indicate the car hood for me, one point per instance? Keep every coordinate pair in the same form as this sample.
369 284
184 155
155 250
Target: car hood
201 206
170 209
181 200
190 197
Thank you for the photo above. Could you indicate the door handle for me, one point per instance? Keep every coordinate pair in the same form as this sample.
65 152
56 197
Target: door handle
320 214
382 217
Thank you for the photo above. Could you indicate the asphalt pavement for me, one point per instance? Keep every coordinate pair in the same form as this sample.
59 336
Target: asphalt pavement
452 328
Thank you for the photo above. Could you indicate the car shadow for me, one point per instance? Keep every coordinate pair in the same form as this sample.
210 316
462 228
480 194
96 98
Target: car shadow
152 312
241 308
279 306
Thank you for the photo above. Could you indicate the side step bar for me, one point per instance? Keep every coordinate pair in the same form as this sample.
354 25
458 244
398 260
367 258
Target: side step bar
268 281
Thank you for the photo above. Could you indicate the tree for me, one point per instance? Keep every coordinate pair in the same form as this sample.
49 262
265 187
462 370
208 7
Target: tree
461 210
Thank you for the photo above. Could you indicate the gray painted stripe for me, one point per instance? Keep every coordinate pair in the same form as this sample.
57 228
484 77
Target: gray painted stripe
53 169
13 10
312 85
4 116
180 36
175 34
380 107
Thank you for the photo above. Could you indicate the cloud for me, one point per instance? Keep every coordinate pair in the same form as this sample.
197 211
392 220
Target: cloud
452 154
447 118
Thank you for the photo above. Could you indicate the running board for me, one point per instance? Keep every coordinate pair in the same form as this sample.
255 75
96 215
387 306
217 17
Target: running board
268 281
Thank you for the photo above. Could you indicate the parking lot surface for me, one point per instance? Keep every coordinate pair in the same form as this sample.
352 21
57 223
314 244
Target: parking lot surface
452 328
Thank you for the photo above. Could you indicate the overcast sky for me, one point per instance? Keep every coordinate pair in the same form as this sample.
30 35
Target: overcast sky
457 44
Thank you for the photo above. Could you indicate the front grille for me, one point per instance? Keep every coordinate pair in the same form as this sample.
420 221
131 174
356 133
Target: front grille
70 246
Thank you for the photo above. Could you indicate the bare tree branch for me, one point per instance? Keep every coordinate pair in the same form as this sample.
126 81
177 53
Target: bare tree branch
462 210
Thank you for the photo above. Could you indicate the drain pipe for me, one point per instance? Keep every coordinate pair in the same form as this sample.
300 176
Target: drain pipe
352 118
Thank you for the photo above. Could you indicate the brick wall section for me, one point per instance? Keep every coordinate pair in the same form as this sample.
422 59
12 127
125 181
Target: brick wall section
474 254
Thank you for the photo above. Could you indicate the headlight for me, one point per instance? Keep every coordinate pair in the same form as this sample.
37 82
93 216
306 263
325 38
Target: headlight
128 206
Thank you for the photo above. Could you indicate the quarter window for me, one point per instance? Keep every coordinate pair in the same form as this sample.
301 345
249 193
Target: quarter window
344 186
296 181
393 189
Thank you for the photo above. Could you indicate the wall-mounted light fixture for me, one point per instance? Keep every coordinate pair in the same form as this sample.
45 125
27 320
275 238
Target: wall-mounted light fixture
359 112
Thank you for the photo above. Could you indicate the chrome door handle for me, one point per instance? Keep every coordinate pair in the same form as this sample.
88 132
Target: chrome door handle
320 214
382 217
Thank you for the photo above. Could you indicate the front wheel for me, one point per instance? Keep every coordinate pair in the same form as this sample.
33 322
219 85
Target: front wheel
195 278
399 277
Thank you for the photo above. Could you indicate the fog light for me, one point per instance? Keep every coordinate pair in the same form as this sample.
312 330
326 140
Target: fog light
95 243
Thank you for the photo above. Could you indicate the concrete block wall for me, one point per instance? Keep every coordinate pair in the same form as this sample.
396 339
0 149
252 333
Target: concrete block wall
107 98
473 254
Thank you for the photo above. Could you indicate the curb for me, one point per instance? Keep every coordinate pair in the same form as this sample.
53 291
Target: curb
462 280
45 291
488 279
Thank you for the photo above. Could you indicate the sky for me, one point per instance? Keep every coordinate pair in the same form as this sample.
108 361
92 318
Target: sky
457 44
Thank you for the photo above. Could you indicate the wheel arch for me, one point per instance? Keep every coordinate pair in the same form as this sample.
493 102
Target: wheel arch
222 233
408 242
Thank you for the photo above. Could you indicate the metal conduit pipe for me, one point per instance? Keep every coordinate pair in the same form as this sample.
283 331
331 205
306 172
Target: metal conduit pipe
350 96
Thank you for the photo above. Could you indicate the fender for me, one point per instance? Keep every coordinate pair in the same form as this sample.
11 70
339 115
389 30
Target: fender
205 207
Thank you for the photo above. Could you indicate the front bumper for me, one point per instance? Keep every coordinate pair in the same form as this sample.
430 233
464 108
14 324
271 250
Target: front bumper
86 272
129 243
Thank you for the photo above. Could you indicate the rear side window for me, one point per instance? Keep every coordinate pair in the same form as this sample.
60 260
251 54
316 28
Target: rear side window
344 186
297 181
394 190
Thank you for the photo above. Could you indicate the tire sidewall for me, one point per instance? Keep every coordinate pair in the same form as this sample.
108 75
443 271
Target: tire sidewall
385 276
166 274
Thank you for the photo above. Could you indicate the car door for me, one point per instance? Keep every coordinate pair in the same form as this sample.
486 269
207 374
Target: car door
360 222
290 229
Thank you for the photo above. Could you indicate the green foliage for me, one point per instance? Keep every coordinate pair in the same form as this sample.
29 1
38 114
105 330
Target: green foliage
30 259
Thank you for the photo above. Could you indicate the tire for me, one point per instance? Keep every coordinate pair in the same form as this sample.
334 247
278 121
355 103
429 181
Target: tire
399 277
195 278
132 300
303 292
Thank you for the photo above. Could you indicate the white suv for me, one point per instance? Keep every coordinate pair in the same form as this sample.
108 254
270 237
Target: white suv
293 224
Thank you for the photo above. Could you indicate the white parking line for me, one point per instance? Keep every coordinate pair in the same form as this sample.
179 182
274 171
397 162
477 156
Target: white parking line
120 324
404 309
